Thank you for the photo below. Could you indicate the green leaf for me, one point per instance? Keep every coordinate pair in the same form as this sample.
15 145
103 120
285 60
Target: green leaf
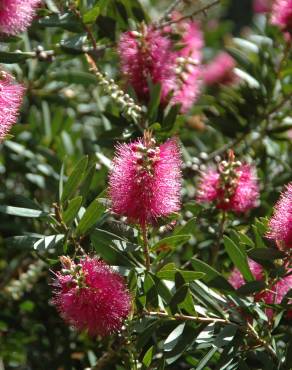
155 93
72 209
188 228
238 257
150 291
67 21
251 287
15 57
104 246
212 277
171 242
22 212
173 337
147 359
92 214
178 297
202 364
22 241
48 242
74 179
187 275
265 254
91 15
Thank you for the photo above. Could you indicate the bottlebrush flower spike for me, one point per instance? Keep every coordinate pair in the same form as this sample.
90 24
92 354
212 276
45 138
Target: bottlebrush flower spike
91 296
147 55
145 180
188 59
233 186
16 15
282 15
220 70
236 279
11 94
280 226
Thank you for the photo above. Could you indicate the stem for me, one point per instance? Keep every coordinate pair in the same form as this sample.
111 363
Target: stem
145 246
169 10
251 331
201 10
186 317
216 248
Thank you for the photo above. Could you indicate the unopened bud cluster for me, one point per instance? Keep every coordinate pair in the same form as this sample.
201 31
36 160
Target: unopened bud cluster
74 271
229 177
128 105
146 154
25 281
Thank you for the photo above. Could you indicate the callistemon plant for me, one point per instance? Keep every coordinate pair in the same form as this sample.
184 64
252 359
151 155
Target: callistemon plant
90 296
280 225
11 95
16 15
145 181
233 186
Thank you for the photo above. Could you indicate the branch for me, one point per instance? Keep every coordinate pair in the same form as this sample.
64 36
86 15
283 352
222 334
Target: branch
196 12
186 317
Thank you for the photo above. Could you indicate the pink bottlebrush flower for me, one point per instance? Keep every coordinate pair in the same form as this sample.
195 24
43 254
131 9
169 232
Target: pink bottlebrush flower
147 56
220 70
280 226
276 294
262 6
282 15
188 59
236 279
91 296
16 15
145 180
233 186
11 94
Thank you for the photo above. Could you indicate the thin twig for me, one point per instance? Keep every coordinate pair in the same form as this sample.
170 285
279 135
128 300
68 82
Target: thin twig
186 317
169 10
201 10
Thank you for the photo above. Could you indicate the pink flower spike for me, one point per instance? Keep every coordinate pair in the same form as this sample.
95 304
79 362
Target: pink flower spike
145 56
280 226
91 296
236 279
220 70
282 15
11 95
237 192
187 87
16 15
145 181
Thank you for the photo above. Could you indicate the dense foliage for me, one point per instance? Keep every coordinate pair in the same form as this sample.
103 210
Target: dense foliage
199 277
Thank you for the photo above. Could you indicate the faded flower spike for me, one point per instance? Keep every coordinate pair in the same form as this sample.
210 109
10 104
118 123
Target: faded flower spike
280 226
16 15
91 296
11 95
145 181
233 186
